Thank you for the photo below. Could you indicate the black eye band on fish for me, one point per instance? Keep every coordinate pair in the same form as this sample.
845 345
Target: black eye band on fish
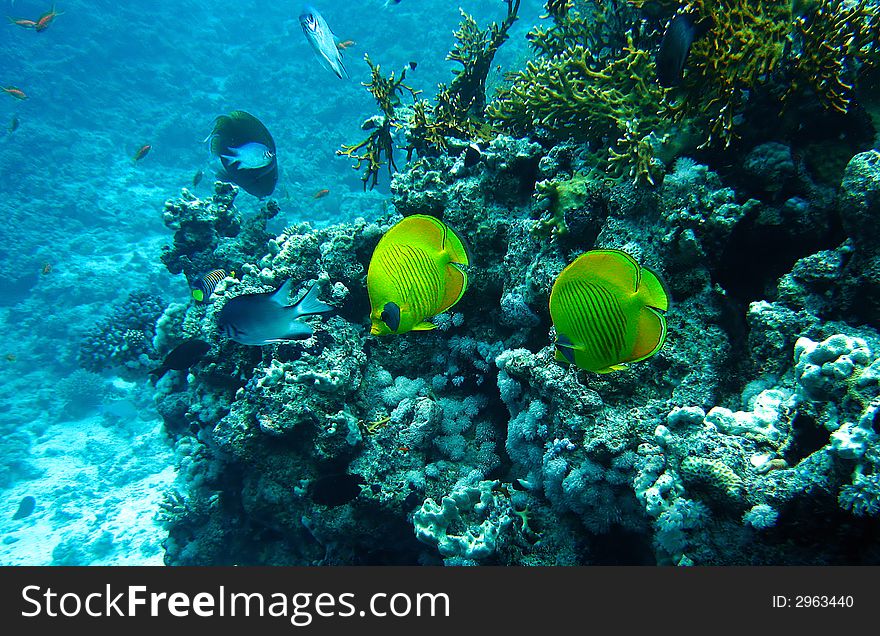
391 316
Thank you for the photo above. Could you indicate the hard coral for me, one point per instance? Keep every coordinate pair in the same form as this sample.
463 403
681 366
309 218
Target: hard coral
836 41
124 337
576 90
378 148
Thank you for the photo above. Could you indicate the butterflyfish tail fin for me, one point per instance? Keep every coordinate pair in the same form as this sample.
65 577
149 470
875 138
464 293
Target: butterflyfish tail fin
456 247
650 334
456 284
652 291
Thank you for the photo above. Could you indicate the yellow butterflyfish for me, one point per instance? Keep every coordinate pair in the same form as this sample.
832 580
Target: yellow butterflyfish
608 311
415 273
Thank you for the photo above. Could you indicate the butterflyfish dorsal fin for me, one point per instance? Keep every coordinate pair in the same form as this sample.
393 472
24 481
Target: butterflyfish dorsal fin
429 234
614 267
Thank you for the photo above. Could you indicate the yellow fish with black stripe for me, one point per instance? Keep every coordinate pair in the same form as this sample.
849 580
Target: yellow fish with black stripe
415 273
607 310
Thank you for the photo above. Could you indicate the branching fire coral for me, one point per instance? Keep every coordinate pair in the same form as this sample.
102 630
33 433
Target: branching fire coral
572 92
380 142
458 110
752 46
835 42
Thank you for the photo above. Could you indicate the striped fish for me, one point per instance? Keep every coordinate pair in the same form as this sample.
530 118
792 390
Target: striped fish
205 285
607 311
415 273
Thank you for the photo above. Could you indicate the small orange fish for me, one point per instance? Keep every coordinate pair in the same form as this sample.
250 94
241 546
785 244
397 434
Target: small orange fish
320 194
22 22
46 19
141 152
347 44
46 269
403 449
17 93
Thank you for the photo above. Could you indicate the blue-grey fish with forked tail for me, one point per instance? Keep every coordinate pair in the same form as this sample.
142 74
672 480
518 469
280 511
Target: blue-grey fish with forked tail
322 40
260 319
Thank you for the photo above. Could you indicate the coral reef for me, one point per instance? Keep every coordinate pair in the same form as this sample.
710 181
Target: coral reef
749 438
124 338
471 445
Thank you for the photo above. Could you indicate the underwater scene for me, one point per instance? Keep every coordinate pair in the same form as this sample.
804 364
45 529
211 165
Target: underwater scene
418 282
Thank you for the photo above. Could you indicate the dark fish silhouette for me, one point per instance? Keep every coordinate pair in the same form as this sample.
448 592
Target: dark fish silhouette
25 508
675 47
335 490
182 357
238 133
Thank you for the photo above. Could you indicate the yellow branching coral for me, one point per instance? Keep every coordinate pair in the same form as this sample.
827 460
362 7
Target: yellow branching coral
378 148
756 45
744 45
458 110
575 94
836 40
430 126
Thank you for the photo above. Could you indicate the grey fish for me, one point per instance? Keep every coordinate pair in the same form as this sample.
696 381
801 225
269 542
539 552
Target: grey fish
249 156
260 319
25 508
322 40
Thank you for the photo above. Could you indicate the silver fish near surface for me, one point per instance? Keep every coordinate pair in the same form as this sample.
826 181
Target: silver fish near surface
322 40
260 319
249 156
